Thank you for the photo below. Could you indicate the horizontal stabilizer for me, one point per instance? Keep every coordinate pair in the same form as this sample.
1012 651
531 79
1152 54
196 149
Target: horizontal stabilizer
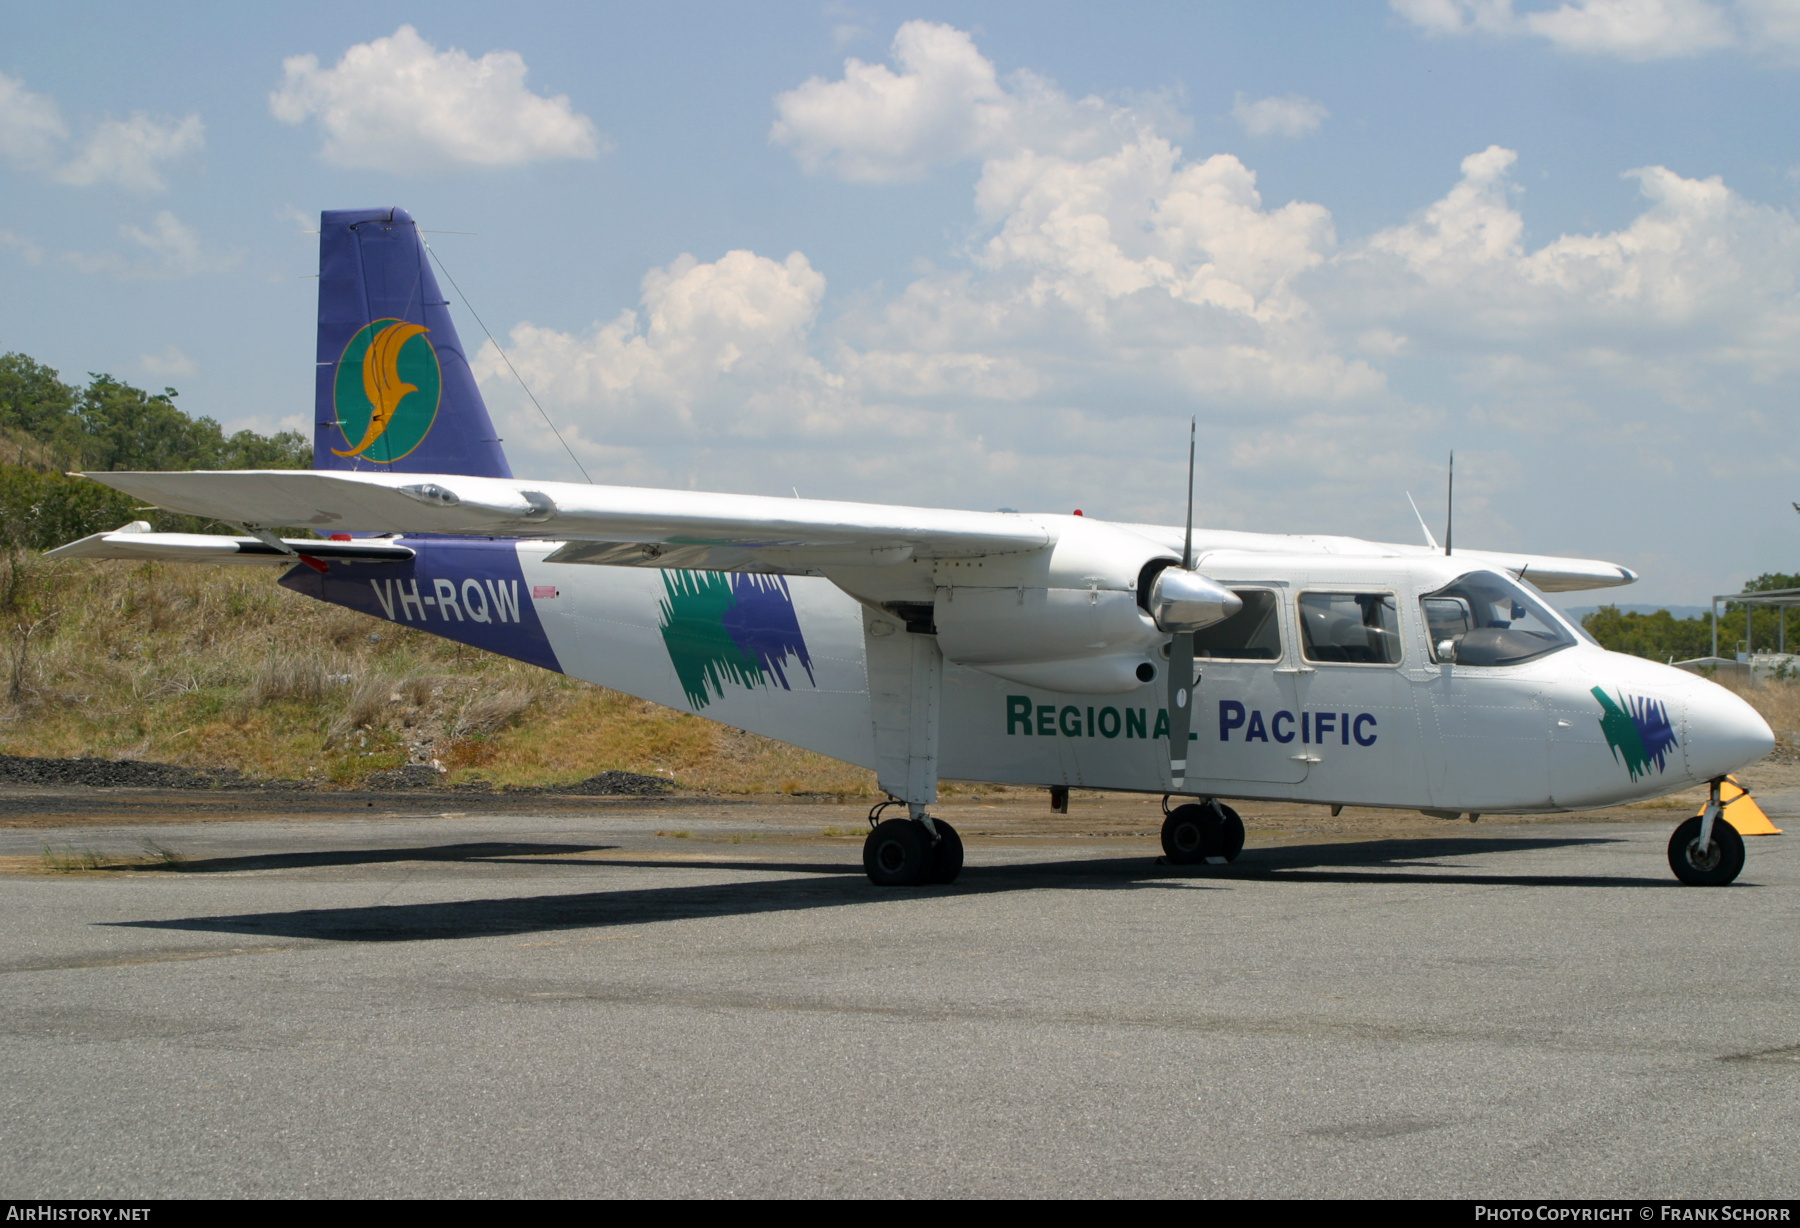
795 532
141 545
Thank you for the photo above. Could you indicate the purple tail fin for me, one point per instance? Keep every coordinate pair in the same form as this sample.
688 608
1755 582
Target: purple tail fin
394 387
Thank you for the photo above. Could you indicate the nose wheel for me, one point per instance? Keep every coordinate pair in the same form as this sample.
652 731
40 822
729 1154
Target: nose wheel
1706 851
912 853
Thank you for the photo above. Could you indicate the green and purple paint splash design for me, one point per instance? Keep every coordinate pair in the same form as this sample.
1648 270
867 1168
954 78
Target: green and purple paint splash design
733 628
1638 732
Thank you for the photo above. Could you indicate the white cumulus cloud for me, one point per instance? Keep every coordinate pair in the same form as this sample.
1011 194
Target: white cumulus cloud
169 249
31 126
129 152
170 362
1701 268
1113 283
398 103
28 251
713 346
1289 115
1638 30
946 103
1635 29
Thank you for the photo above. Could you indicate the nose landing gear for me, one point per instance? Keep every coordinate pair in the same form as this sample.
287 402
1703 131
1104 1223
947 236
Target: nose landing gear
1706 851
911 852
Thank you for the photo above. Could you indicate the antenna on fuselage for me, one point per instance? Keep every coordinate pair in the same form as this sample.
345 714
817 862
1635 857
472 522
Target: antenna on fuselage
1450 505
1423 527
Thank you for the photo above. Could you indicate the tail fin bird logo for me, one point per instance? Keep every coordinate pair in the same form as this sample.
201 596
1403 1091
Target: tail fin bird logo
387 391
1638 731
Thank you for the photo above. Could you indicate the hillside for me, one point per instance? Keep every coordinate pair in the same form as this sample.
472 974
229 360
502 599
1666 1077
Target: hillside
222 668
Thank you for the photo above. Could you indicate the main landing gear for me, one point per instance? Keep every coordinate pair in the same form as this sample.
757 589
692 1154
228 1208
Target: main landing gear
1202 832
1706 851
911 852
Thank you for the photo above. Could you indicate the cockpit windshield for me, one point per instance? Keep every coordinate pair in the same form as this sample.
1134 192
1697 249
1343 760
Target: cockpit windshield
1484 618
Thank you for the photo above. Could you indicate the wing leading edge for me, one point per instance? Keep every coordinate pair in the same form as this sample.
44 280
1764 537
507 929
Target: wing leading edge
601 524
645 527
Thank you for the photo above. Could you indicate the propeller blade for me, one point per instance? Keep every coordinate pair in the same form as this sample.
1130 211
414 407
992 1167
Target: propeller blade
1210 606
1187 542
1181 703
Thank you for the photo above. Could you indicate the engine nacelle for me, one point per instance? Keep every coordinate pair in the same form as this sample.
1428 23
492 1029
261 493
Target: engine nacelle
1063 619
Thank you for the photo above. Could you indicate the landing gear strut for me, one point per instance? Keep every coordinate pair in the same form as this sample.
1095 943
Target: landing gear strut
1208 831
911 852
1706 851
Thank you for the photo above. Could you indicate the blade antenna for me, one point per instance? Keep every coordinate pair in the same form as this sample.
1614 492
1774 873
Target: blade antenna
1450 506
1187 542
1423 527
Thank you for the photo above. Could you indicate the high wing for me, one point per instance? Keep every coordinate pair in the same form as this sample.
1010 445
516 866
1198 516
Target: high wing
645 527
600 524
1550 573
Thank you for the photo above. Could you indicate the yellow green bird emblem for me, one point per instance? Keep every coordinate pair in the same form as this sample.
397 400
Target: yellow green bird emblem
387 390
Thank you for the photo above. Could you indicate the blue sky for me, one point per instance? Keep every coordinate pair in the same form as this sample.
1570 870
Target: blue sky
987 255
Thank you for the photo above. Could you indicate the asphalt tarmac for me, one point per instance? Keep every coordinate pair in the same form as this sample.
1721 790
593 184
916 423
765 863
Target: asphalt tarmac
683 998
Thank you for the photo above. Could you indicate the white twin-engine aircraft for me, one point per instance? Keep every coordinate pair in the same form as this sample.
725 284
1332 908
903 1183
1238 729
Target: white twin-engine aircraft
1053 650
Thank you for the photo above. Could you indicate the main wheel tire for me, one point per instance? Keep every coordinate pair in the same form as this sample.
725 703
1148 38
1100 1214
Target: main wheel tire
898 853
1202 831
1723 862
1231 833
1189 833
947 856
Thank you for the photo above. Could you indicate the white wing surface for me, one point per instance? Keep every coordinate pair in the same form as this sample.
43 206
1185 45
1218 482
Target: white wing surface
644 527
604 524
1548 572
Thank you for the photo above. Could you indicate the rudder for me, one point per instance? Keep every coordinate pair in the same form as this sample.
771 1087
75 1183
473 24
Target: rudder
394 388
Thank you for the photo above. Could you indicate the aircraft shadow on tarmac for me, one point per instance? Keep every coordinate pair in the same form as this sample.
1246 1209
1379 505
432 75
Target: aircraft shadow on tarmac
486 851
832 885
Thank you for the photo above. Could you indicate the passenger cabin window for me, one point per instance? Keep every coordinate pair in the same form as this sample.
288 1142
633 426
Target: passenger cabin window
1485 618
1252 634
1350 628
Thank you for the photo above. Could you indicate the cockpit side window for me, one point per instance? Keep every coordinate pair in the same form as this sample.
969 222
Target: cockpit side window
1252 634
1484 618
1350 628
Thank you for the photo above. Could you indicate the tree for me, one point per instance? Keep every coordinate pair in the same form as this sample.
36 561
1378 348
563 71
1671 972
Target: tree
36 403
282 450
108 425
1662 637
128 428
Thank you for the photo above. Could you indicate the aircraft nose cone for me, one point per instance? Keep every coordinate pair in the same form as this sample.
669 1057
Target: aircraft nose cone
1723 733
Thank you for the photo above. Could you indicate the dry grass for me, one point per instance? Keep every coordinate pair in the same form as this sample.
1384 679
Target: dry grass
71 860
222 668
1779 703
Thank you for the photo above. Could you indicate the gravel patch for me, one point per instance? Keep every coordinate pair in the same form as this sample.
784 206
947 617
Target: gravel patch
137 774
